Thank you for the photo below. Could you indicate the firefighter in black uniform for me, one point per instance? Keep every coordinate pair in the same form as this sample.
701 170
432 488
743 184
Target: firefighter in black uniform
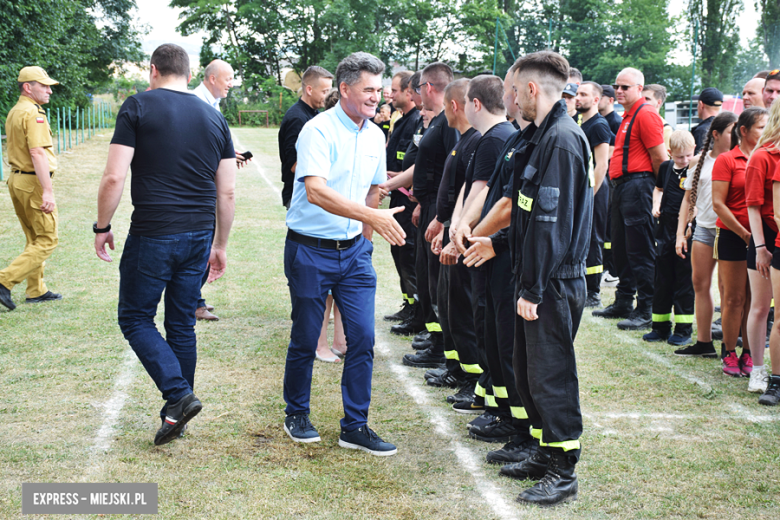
673 275
436 143
490 235
549 237
454 288
599 136
402 136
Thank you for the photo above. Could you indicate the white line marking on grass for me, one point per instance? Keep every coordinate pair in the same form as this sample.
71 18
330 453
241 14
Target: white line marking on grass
112 408
237 144
468 460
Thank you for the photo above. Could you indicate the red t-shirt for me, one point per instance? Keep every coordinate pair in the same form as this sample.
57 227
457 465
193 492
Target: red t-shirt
759 179
776 178
730 167
647 132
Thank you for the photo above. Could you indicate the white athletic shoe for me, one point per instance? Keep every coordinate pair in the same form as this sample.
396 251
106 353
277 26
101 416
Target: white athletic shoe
759 381
608 280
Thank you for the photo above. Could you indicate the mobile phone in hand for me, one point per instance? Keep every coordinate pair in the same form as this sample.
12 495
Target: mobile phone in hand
246 155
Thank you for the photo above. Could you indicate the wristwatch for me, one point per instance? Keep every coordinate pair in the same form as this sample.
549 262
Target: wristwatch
101 230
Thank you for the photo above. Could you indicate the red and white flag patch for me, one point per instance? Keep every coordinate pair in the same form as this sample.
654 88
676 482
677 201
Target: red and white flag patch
39 120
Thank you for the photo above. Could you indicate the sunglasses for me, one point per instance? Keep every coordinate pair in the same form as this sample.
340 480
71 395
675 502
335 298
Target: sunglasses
624 87
419 87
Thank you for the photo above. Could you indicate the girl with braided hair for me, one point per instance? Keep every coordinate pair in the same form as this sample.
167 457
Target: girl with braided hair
701 244
758 197
733 238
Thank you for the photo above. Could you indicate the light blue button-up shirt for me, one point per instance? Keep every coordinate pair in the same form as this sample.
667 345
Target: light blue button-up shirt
351 160
203 93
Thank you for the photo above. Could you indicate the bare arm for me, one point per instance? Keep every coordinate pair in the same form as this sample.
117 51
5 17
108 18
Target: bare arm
41 165
720 190
225 180
658 155
476 193
110 193
601 156
402 180
658 194
381 220
500 216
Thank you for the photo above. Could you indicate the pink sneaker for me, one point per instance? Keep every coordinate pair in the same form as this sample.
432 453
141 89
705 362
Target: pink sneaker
731 365
746 364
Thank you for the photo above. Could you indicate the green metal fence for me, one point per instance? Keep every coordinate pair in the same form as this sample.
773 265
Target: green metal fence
69 123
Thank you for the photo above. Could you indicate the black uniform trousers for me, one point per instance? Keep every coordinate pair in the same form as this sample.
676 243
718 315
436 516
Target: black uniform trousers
443 297
609 265
458 320
633 243
500 313
545 366
485 382
598 231
427 271
403 256
673 282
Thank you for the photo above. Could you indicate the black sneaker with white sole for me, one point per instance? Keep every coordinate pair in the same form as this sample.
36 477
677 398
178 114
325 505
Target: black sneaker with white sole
445 380
364 438
300 428
177 415
469 407
772 395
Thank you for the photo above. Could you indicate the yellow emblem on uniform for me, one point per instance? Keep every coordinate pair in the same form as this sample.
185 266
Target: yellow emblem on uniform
454 152
682 182
400 155
524 202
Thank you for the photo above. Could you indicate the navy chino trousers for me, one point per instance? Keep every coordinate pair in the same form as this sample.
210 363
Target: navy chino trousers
349 274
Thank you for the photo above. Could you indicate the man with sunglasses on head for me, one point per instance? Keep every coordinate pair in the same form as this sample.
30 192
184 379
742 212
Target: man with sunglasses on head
639 152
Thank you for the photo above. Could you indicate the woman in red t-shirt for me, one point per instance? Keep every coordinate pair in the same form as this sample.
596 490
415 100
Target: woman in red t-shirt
758 197
733 237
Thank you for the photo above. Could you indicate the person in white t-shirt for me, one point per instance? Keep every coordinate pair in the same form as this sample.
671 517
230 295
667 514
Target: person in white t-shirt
698 203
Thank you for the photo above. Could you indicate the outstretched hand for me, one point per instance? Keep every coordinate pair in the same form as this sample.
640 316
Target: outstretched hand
387 226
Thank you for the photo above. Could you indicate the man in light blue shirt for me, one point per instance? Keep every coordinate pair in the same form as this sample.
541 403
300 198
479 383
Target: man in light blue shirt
217 82
332 215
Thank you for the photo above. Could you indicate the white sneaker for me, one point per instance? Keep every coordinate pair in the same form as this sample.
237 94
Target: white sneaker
759 381
607 280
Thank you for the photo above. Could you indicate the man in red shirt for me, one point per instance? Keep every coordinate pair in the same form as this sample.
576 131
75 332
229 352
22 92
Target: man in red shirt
639 152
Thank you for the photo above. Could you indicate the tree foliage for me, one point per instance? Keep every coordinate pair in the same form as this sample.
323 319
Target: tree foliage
718 39
768 31
78 42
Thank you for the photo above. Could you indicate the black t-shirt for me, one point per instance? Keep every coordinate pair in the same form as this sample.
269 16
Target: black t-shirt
179 141
700 133
597 132
614 120
486 153
413 149
296 116
437 142
455 174
500 183
671 180
403 133
385 127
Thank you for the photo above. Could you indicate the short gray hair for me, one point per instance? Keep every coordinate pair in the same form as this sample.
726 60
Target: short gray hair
636 73
351 67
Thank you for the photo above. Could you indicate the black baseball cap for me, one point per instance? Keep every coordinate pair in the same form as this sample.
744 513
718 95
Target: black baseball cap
711 96
608 91
571 89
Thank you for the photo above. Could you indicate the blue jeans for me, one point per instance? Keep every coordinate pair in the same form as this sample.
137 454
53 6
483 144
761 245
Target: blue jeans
173 264
312 272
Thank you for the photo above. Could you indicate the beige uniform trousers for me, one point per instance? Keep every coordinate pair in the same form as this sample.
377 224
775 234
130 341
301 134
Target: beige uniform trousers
40 230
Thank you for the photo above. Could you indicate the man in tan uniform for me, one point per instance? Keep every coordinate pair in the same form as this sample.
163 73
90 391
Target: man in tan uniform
32 163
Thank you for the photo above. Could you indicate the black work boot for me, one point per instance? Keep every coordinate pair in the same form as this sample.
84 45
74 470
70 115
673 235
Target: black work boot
501 430
406 312
532 468
465 393
640 319
422 341
517 450
424 359
593 300
621 308
558 485
409 327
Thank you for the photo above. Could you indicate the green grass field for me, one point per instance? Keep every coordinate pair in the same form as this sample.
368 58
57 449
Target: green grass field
664 436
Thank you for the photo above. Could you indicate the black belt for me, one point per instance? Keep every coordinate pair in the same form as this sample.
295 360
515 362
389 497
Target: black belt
51 174
322 243
629 177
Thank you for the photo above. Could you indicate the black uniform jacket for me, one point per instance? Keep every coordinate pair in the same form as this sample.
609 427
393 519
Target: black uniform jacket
549 235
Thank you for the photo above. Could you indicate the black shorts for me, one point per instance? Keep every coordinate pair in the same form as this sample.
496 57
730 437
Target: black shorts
769 240
776 258
729 247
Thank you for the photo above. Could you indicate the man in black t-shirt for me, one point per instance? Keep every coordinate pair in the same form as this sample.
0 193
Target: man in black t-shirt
402 136
184 166
607 109
436 143
709 105
599 136
316 84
